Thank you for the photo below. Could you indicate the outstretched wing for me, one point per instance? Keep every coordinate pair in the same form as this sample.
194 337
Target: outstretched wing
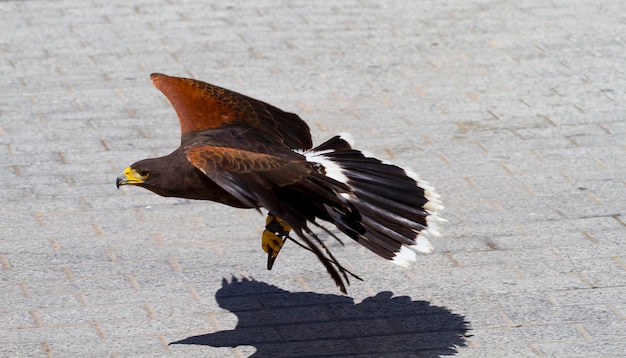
248 175
201 106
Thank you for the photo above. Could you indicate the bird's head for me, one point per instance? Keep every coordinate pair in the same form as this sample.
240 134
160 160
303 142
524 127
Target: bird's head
144 173
167 176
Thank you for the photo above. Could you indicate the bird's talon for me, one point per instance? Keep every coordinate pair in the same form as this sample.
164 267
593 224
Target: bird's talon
276 225
274 236
271 243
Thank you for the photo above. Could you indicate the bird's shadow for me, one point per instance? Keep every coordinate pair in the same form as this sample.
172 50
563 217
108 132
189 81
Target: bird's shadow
303 324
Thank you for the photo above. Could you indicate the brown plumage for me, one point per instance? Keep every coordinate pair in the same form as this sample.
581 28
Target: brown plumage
248 154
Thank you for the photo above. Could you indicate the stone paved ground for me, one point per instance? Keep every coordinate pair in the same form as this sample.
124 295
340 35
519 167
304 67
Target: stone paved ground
514 110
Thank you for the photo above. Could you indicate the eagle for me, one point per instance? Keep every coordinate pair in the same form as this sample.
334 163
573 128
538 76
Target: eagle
242 152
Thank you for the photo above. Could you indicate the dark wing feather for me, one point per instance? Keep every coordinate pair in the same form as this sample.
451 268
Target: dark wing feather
244 173
201 106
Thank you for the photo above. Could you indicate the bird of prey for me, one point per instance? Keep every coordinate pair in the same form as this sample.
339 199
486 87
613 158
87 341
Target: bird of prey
246 153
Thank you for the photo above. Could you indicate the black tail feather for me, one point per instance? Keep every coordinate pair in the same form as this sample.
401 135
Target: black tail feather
387 209
396 209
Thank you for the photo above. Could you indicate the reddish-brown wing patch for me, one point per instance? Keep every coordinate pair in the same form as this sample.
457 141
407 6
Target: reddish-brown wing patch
201 106
208 158
263 169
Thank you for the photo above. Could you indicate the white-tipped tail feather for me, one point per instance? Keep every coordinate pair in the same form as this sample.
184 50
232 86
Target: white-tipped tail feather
391 210
404 257
333 170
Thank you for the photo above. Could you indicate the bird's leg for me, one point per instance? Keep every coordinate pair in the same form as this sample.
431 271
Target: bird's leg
274 236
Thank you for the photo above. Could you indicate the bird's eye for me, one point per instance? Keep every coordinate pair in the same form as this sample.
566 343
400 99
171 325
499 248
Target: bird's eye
143 173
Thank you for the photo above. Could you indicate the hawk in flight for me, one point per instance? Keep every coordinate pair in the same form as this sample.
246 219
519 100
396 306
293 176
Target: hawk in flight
245 153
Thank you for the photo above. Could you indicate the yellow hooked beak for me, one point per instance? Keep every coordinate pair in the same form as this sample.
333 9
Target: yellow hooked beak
130 177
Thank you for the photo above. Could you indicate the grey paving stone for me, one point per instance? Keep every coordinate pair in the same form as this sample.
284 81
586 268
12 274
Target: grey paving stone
502 256
56 203
588 296
192 307
18 260
19 219
487 337
42 334
186 277
16 320
106 346
601 329
206 292
484 300
556 282
461 275
573 313
593 348
32 274
135 296
147 327
53 317
86 270
192 351
15 235
525 241
485 319
24 349
550 332
610 244
499 350
21 302
91 284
